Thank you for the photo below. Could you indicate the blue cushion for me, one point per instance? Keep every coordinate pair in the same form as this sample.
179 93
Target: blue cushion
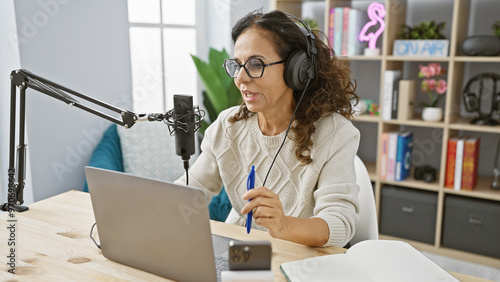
220 206
108 153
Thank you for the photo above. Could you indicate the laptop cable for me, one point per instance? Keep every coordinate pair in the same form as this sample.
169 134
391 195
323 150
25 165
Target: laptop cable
92 237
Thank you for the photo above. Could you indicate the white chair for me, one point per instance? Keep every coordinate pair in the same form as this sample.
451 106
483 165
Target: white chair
367 226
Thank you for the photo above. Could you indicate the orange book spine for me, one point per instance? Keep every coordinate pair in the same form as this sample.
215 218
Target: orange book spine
470 164
449 181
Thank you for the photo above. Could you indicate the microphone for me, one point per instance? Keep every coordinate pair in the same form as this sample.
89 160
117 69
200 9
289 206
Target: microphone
184 126
183 121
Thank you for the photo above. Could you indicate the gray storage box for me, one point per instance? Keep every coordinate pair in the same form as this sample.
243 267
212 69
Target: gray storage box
472 225
408 213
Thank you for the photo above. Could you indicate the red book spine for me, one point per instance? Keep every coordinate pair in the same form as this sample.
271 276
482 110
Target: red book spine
449 181
470 164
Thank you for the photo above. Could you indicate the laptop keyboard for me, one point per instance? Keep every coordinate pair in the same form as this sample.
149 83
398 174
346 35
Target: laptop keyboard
221 264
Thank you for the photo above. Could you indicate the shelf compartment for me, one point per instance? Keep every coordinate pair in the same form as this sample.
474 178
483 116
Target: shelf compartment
362 58
464 124
423 59
482 190
479 59
410 182
408 213
417 122
471 225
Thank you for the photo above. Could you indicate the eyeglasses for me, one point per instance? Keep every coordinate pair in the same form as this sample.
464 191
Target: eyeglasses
254 67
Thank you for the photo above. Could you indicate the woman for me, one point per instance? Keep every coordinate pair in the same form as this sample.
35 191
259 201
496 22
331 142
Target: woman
310 196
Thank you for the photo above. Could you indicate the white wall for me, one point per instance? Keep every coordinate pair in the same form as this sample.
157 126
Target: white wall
83 45
221 16
9 60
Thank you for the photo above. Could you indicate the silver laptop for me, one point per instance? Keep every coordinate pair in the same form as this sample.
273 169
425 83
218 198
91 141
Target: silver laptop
155 226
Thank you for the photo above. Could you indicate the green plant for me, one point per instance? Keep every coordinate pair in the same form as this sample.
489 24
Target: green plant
496 28
220 91
426 30
313 24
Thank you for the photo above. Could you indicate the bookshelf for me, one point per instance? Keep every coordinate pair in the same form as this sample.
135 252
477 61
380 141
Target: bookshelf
459 69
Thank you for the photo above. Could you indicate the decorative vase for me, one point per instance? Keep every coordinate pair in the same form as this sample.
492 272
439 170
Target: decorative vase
432 114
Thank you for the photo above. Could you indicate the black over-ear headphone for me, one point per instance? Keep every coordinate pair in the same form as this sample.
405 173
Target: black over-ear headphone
472 99
299 67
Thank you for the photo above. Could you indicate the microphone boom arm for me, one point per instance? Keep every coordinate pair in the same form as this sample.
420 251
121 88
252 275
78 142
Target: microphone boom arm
24 79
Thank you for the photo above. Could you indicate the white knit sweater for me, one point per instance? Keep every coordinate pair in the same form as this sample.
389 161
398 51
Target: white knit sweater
325 188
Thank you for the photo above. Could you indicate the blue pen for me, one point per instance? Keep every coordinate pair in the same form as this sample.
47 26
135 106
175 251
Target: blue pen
250 185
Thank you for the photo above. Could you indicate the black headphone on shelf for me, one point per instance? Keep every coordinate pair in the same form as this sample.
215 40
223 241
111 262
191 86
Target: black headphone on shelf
472 99
299 67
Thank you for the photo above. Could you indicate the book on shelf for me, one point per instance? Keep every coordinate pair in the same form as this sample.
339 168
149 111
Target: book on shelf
459 157
403 155
345 30
470 163
337 30
356 21
390 78
451 153
344 25
395 99
369 260
406 99
384 155
391 156
331 26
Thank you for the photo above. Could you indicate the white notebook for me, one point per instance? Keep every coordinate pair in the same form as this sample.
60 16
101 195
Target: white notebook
370 260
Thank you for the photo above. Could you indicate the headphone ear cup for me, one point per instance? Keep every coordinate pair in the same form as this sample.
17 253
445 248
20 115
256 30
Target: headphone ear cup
471 102
295 73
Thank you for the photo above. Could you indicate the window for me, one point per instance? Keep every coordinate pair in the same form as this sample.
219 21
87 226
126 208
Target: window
162 39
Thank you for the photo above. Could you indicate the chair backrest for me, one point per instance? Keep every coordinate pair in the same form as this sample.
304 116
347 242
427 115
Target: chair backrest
367 226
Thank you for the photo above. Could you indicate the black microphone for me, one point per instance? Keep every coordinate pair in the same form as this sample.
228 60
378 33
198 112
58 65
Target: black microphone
183 121
184 126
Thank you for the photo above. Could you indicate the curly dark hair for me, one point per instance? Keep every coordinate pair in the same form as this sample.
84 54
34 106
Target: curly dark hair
332 89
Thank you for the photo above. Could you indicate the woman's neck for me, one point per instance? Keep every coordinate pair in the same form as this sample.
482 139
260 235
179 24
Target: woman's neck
274 124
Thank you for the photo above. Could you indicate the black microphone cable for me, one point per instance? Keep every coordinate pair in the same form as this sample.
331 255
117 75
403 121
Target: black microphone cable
287 130
186 168
92 237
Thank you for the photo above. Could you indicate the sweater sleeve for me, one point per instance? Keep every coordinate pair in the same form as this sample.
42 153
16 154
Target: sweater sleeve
336 196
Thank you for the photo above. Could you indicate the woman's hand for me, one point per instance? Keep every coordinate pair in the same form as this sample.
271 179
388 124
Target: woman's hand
267 210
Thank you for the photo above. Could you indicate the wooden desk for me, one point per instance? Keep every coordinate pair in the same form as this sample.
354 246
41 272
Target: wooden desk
54 245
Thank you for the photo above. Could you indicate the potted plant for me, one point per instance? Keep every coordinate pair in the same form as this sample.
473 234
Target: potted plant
220 91
426 39
435 87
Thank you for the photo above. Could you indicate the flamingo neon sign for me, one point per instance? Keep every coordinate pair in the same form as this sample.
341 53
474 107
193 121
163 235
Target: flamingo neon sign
376 13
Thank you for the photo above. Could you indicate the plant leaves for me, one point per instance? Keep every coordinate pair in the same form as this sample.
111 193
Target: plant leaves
212 113
213 84
216 60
